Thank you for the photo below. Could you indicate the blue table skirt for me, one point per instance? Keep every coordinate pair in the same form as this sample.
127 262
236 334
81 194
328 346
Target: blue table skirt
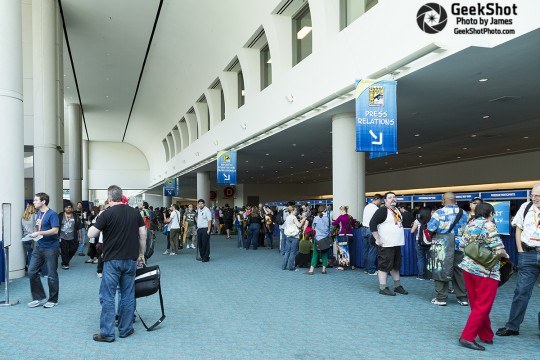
408 251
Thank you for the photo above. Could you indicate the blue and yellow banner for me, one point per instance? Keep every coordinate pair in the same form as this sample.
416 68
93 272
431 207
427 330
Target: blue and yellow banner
376 117
171 187
226 167
501 218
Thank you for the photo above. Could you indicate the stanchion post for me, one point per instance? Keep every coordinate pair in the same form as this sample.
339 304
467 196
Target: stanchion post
6 238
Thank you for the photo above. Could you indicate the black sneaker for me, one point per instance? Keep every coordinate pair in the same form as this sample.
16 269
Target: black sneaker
387 291
401 290
506 332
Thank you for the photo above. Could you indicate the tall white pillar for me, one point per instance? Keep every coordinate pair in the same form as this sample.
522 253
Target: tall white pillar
45 100
75 147
167 201
203 186
348 166
85 195
60 105
12 125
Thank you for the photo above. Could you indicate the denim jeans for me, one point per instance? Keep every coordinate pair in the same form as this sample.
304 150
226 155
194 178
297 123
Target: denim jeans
370 251
282 241
49 258
239 242
291 249
422 254
270 237
28 251
253 236
81 244
528 271
117 273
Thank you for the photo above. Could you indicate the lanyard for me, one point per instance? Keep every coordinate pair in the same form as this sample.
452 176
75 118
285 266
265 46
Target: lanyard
38 221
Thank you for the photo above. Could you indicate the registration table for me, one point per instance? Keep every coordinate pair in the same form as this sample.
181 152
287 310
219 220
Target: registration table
408 251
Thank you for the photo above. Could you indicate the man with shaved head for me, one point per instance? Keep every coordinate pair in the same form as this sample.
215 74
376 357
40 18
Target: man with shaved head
448 224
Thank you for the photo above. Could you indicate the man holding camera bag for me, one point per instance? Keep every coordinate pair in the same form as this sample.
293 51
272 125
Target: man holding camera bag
124 245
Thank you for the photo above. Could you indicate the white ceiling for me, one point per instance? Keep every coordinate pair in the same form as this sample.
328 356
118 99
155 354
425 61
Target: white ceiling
443 102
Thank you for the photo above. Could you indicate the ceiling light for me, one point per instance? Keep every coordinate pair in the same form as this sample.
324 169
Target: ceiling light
267 154
65 75
279 161
525 137
293 144
106 110
419 147
303 32
473 135
485 117
416 135
508 149
247 171
421 163
107 96
459 157
67 87
292 167
311 162
419 156
276 171
247 160
302 155
483 80
269 61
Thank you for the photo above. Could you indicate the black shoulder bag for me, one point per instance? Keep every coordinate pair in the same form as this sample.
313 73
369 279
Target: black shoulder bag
147 282
326 242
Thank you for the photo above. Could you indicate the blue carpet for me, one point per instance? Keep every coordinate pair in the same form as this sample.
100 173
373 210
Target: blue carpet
241 305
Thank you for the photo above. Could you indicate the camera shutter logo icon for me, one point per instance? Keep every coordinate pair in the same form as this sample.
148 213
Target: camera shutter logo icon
431 18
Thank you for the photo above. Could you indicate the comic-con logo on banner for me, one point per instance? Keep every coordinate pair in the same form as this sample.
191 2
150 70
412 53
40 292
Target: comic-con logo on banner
431 18
376 96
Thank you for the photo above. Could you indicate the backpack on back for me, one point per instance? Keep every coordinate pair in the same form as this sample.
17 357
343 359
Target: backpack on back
279 218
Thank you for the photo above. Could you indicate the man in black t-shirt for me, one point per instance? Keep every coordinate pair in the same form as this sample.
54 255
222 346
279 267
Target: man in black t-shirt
228 215
124 245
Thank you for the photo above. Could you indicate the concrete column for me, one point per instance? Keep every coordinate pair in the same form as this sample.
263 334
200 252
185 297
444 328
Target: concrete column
167 201
60 105
75 147
239 198
85 196
12 125
203 186
45 100
348 168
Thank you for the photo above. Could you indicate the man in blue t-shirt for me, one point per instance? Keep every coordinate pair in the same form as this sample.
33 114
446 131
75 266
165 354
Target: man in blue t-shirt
45 253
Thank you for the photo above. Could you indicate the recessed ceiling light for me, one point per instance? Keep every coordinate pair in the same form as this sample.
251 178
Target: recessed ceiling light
525 137
416 135
419 156
508 149
465 149
293 144
267 154
247 160
107 96
292 167
483 80
421 163
279 161
311 162
65 75
326 167
459 157
485 117
302 155
247 171
473 135
419 147
67 87
275 171
106 109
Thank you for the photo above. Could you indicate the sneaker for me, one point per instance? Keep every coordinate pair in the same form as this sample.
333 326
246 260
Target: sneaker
36 303
65 267
438 302
165 252
372 274
365 272
401 290
99 275
463 302
101 338
172 253
387 291
49 304
506 332
192 246
96 261
420 278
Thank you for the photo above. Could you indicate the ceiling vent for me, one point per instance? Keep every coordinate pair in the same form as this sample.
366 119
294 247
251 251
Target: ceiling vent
505 99
202 99
191 111
216 84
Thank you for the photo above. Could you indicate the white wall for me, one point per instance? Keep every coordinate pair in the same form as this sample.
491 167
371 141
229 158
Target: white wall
121 164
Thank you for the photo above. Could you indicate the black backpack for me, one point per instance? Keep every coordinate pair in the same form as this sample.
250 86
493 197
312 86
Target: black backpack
279 218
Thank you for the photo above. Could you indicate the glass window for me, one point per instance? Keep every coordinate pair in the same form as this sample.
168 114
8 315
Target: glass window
353 9
266 67
303 39
241 90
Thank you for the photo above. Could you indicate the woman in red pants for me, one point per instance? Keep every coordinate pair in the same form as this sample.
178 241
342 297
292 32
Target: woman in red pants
481 282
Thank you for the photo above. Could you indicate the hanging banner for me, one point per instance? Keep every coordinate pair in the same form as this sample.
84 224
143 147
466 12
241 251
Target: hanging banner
170 187
226 167
501 217
376 117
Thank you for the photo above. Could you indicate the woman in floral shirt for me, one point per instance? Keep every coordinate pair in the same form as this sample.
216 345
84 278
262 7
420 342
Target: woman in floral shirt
481 282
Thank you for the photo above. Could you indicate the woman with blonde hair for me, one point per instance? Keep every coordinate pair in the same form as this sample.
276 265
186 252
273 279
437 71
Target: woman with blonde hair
28 223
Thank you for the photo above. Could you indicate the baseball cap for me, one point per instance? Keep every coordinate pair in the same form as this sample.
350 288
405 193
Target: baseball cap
124 199
377 197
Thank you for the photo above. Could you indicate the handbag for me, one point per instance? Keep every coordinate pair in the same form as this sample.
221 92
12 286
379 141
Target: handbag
324 243
481 254
148 282
506 270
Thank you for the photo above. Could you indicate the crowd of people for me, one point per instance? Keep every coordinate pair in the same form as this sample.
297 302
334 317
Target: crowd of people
120 238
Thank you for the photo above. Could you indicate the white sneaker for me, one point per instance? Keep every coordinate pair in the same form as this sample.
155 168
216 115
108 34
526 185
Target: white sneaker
192 246
172 253
49 304
36 303
434 301
165 252
99 275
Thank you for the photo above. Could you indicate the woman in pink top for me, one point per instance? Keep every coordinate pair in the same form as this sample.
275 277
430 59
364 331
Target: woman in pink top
344 238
